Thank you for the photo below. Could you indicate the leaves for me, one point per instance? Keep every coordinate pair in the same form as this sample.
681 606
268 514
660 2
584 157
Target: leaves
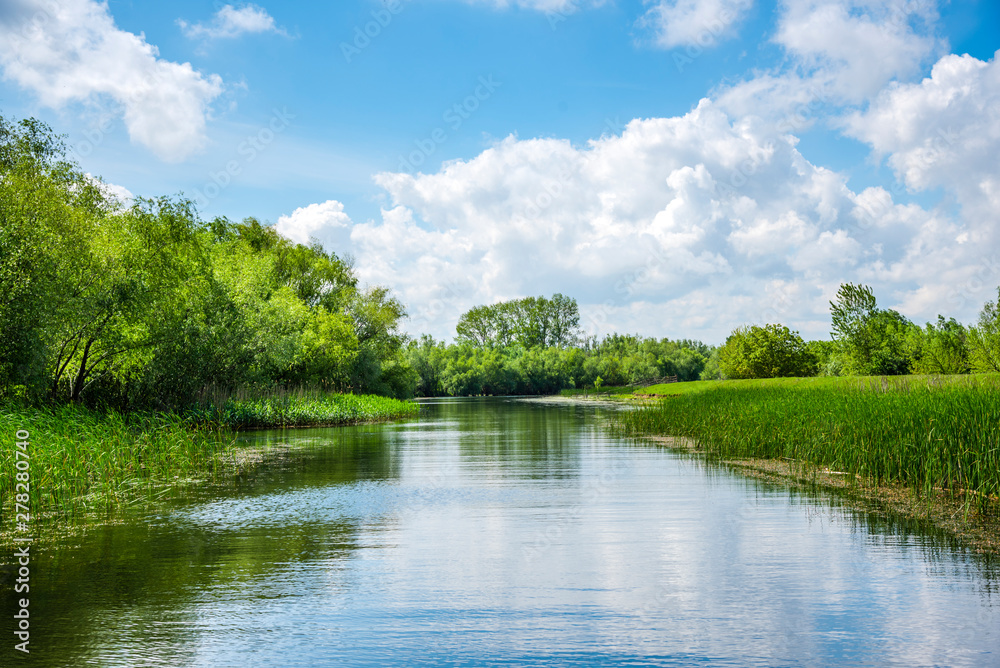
529 322
772 351
148 305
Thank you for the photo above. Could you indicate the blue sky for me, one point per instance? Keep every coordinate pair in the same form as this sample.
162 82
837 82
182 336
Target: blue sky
470 151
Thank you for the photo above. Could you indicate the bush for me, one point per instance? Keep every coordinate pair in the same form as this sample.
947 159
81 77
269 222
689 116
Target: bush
772 351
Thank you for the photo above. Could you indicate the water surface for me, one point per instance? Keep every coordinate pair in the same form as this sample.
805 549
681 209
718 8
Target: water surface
506 532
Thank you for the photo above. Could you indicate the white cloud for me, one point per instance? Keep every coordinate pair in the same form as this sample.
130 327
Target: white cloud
325 222
860 45
230 22
684 226
942 131
841 52
72 52
699 23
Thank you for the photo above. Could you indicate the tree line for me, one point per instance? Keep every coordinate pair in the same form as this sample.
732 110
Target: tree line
144 304
467 369
866 341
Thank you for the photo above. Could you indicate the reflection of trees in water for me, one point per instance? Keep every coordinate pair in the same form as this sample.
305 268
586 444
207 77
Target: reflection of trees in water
881 527
517 438
130 587
153 574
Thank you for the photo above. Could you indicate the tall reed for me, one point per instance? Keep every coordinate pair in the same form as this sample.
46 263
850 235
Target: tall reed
84 461
252 408
923 435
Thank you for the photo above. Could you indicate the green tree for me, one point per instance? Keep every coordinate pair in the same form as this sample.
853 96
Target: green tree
940 348
530 322
872 341
771 351
148 305
984 339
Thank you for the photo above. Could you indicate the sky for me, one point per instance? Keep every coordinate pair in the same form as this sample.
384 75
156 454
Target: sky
679 167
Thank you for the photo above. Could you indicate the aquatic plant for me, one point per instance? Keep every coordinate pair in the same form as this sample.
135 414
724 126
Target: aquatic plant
922 432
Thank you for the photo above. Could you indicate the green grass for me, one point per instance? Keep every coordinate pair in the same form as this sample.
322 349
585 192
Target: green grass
87 461
586 391
920 431
83 461
298 408
694 387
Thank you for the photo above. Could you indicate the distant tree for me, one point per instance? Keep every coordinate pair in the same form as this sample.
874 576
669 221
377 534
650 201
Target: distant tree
872 341
772 351
530 322
984 339
940 348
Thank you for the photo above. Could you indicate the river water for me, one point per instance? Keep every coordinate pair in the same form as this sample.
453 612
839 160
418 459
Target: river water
507 532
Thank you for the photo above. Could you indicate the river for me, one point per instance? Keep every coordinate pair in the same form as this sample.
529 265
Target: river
506 532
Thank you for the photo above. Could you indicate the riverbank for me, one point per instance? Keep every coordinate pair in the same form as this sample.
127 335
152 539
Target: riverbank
922 447
80 462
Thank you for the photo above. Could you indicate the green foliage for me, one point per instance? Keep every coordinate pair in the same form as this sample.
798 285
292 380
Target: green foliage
984 339
142 306
466 370
772 351
872 341
300 408
84 460
530 322
939 348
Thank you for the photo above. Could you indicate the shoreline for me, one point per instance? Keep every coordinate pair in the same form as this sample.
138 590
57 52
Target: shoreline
89 467
940 509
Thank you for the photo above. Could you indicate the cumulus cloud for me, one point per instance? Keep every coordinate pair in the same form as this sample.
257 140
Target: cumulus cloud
325 222
841 52
230 22
72 52
684 226
942 131
121 194
694 22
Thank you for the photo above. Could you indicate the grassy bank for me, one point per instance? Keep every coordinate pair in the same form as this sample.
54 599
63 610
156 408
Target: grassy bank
925 433
83 461
593 392
295 408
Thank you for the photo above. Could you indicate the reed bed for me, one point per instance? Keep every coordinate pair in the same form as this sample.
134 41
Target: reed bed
249 409
931 434
84 461
88 461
